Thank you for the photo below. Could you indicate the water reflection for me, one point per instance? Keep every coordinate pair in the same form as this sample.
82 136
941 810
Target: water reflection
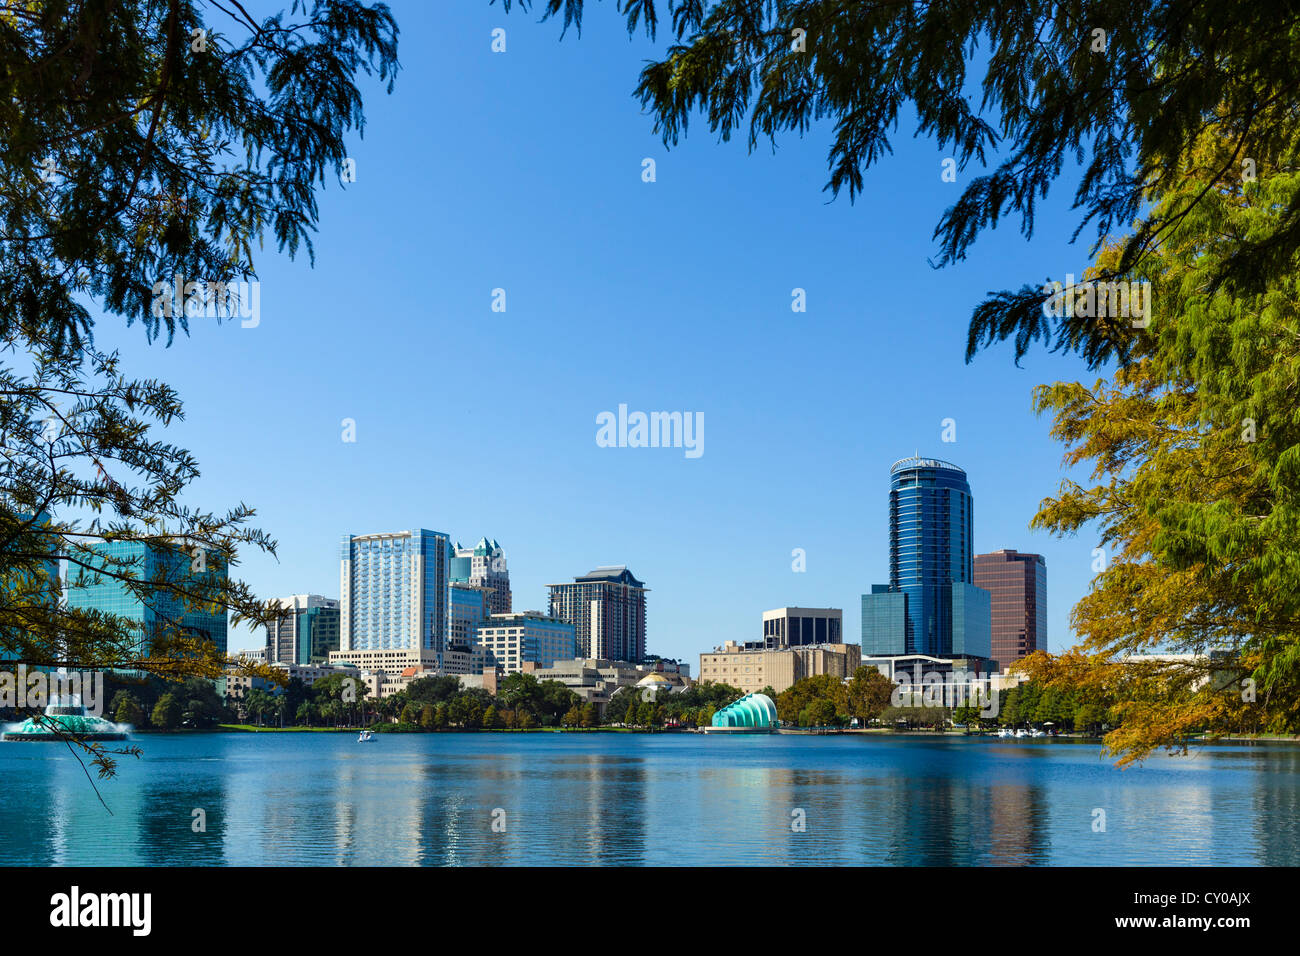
496 799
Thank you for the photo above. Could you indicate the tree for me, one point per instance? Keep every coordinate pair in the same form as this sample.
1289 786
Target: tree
434 690
572 717
127 710
410 714
589 715
819 713
203 707
555 701
520 692
492 719
1128 90
257 703
426 717
1195 451
466 710
792 703
868 694
167 713
144 146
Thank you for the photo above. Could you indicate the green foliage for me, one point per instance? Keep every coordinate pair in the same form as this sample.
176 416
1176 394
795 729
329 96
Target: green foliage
131 157
126 709
914 718
433 690
830 695
167 713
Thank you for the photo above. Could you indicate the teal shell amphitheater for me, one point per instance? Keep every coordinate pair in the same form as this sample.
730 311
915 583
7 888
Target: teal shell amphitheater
753 714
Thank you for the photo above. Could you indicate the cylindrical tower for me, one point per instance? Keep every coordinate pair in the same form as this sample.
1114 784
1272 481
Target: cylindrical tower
931 546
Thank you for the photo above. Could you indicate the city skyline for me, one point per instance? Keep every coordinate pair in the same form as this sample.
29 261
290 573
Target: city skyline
912 505
801 407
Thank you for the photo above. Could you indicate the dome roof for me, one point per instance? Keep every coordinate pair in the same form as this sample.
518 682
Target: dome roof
654 680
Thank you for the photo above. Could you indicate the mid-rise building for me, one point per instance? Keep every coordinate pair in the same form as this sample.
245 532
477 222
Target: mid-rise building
796 626
484 565
607 610
470 606
394 591
596 681
752 667
305 633
238 685
931 605
1018 606
160 611
511 640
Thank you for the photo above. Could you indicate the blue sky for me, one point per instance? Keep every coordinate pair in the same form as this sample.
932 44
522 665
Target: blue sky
522 171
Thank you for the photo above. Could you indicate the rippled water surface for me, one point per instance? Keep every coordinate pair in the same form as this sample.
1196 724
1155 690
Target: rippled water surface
324 799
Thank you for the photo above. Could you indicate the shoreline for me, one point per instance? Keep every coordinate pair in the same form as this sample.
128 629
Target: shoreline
1291 740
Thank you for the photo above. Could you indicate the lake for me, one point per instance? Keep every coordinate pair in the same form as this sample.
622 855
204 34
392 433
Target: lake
662 799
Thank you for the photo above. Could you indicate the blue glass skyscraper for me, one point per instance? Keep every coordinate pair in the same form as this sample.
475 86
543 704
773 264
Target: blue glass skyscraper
163 611
931 605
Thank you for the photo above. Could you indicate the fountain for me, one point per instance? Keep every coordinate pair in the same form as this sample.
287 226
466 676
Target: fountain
71 719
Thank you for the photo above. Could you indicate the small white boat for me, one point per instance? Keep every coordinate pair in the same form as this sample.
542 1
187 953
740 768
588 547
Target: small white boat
1005 732
1039 733
1022 732
365 736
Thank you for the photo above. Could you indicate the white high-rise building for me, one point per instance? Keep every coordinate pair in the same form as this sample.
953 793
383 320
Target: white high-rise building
394 591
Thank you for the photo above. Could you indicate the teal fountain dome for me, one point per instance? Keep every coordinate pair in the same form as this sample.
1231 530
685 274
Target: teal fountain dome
72 721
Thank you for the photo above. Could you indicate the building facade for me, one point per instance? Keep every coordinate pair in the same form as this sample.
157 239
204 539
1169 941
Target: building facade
305 633
607 609
160 612
511 640
752 667
931 605
596 681
484 565
797 626
470 606
394 591
1018 612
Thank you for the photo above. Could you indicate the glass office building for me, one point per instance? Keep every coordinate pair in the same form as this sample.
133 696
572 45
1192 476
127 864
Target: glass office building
484 565
394 591
931 605
305 633
161 612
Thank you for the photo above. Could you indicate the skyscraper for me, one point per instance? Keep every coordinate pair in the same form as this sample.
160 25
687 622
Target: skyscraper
607 610
394 591
1018 584
484 565
161 611
931 605
306 631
